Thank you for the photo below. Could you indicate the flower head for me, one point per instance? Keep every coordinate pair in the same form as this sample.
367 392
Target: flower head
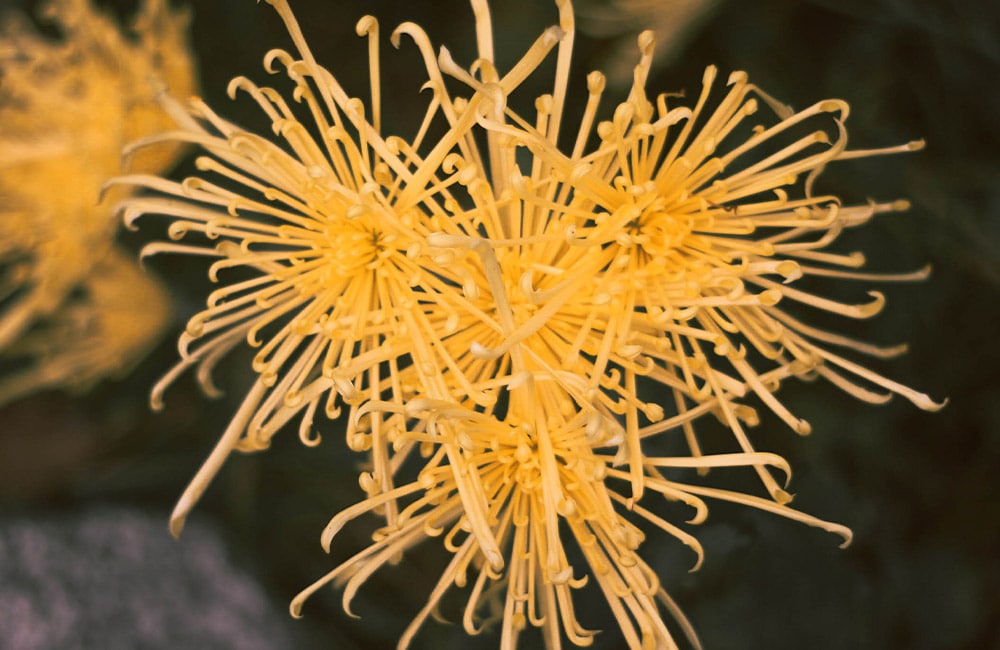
68 106
96 332
542 492
344 299
536 325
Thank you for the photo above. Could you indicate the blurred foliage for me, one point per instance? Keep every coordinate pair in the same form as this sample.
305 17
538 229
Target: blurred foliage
920 490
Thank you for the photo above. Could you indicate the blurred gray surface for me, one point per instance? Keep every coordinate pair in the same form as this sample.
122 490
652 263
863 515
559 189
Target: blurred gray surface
113 578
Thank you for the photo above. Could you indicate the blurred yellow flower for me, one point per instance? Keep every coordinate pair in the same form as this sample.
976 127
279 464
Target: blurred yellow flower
67 107
673 23
101 330
535 325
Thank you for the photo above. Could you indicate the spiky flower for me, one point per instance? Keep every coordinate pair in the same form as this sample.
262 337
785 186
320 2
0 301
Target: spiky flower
528 331
546 490
346 301
67 107
669 251
663 254
96 332
685 231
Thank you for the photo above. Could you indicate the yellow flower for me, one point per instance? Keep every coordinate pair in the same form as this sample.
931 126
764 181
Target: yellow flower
543 491
67 107
667 253
345 300
96 332
70 105
532 323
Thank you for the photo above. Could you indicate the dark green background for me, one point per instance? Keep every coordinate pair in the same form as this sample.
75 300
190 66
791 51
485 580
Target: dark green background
920 490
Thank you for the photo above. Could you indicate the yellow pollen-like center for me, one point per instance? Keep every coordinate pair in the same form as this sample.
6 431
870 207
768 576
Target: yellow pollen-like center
658 231
351 247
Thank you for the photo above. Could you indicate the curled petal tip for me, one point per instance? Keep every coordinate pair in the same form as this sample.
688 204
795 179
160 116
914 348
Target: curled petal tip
495 560
366 25
781 496
331 530
595 82
736 76
700 557
347 610
931 405
647 40
177 525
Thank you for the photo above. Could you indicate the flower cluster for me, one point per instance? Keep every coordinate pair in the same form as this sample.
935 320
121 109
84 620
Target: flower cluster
518 331
68 106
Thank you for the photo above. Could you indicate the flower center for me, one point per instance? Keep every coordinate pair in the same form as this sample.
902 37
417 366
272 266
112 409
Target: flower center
658 231
351 247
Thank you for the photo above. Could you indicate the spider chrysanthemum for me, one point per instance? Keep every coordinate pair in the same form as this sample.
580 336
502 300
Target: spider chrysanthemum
667 251
691 227
344 298
68 105
640 260
551 514
520 329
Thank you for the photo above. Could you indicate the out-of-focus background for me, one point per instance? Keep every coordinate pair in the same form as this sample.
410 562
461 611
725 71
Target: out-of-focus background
87 481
